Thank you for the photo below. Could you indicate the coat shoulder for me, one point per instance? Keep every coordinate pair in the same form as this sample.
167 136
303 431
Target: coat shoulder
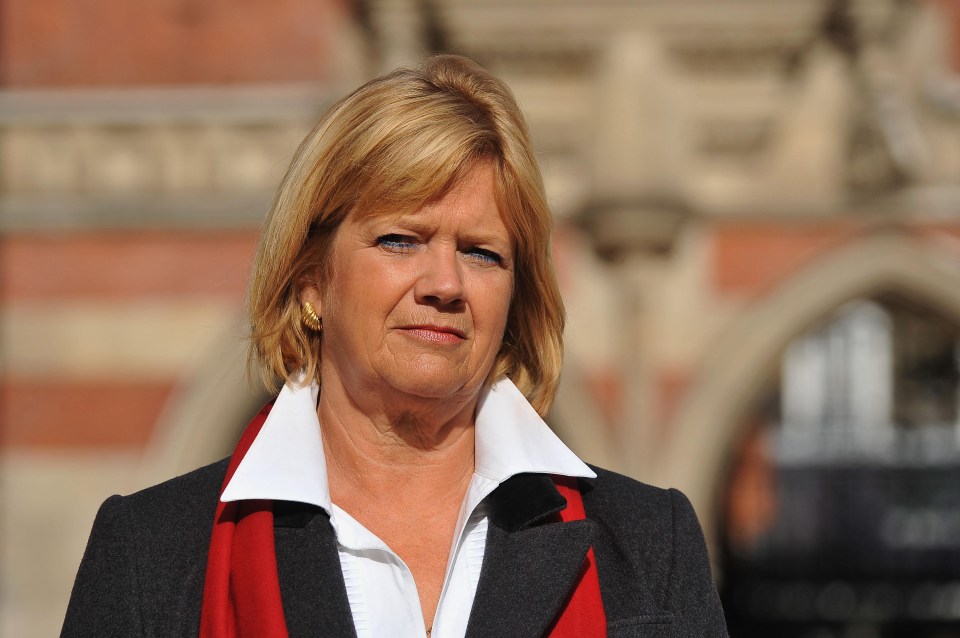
615 494
197 489
651 557
143 569
648 522
624 485
178 513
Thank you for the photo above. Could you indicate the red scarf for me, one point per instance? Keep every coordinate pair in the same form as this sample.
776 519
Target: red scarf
241 593
583 616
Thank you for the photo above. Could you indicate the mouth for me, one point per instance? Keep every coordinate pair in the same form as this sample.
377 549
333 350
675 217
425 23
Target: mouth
436 334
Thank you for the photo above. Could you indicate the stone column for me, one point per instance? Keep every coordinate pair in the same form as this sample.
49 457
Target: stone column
399 28
634 212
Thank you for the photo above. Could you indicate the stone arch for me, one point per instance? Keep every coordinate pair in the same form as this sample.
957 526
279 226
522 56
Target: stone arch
732 374
202 419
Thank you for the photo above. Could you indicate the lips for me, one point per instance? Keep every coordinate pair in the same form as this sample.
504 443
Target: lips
439 334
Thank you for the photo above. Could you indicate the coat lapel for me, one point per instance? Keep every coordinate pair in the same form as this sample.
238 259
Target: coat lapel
531 560
311 582
530 565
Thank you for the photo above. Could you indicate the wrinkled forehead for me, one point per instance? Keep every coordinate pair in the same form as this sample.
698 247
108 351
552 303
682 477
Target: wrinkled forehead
406 196
470 207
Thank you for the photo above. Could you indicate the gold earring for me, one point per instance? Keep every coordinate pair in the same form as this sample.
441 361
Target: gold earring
310 318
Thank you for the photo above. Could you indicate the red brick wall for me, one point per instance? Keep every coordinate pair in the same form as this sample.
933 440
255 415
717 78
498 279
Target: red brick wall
117 270
63 43
100 265
57 413
951 9
750 258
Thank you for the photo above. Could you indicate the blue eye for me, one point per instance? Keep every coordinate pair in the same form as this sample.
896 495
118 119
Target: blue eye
395 242
483 255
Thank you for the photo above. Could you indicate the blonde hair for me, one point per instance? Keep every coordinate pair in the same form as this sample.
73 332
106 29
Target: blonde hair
394 144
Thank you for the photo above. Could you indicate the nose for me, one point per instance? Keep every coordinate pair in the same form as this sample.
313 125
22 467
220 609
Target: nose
440 281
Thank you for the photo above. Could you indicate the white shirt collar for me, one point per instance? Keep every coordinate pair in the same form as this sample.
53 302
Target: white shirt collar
286 461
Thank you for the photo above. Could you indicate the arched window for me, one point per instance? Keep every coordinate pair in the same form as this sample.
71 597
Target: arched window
842 510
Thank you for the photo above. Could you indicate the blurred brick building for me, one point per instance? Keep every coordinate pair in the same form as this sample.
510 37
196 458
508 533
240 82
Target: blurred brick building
724 179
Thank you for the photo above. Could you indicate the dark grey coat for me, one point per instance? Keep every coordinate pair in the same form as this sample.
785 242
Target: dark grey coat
142 572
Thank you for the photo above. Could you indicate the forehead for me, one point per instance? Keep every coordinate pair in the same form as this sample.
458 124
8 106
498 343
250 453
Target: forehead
470 202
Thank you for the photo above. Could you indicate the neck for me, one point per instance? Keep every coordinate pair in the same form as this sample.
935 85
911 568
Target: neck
377 444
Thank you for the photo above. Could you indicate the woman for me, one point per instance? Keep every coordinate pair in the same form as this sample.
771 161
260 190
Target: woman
403 482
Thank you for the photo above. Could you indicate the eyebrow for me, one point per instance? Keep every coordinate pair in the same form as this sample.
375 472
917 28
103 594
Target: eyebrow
409 221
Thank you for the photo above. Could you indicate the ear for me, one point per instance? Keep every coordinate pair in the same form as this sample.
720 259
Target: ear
310 292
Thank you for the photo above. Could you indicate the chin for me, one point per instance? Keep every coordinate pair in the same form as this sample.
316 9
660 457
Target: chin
435 384
428 389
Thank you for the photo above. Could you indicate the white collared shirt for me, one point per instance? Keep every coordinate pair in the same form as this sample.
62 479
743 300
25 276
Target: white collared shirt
286 462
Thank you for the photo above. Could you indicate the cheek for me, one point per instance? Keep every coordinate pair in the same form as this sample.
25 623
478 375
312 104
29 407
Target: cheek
500 301
363 294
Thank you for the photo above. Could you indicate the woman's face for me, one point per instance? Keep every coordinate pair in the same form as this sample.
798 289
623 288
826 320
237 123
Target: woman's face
418 303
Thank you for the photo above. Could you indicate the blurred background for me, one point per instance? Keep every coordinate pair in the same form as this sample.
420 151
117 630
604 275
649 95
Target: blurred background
758 239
